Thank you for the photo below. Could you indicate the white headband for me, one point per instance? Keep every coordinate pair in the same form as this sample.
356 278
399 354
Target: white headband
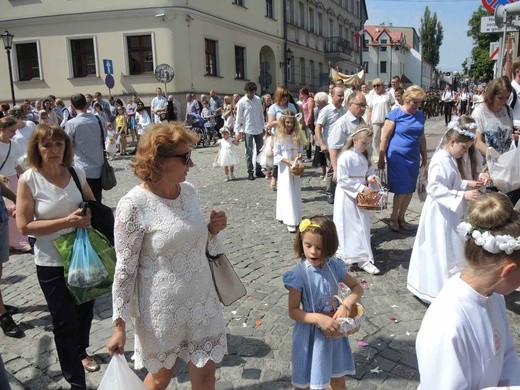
454 125
359 131
489 242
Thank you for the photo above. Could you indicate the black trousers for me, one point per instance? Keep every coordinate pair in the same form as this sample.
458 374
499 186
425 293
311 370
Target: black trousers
95 186
448 110
71 324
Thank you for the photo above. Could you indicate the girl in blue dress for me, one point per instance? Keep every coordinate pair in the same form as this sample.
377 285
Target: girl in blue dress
318 361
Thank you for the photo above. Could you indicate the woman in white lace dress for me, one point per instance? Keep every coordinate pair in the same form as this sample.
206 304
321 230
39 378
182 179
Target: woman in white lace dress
163 281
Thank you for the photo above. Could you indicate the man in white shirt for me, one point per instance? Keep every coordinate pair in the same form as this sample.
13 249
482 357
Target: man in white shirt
158 105
24 128
513 98
448 99
395 82
249 125
327 116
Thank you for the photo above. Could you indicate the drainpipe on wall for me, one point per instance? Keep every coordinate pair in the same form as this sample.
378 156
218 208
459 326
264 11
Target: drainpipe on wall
285 47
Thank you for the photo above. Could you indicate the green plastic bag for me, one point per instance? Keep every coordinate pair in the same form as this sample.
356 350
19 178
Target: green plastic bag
106 253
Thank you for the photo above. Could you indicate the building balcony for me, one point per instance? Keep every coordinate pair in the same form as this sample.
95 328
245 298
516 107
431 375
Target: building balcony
337 48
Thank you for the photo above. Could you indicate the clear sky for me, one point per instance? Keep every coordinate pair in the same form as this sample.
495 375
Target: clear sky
453 15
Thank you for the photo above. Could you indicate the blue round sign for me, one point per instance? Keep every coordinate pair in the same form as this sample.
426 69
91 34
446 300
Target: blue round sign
109 81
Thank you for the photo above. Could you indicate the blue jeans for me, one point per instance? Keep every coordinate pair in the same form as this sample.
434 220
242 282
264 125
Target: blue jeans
258 141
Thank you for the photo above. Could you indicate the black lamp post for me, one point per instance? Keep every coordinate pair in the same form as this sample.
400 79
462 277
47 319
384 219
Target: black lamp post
7 38
287 58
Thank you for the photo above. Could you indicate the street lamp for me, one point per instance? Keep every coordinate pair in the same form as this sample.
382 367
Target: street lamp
287 58
7 38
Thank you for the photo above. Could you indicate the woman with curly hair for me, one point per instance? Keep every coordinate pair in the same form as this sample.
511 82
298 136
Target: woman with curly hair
162 281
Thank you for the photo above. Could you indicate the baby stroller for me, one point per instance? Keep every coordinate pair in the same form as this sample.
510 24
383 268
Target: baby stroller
195 123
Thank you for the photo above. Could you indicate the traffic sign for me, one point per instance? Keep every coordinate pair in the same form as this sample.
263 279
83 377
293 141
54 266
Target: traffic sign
491 5
107 64
494 50
164 73
109 81
488 25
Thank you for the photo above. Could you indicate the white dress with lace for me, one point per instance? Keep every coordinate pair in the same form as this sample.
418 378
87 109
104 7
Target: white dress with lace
163 281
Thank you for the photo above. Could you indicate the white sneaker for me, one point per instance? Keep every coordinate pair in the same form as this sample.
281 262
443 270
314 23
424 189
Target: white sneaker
232 176
227 178
291 229
369 267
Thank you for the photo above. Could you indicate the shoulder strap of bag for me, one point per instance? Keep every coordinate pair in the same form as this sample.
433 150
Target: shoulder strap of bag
515 98
6 157
508 109
76 180
102 134
304 270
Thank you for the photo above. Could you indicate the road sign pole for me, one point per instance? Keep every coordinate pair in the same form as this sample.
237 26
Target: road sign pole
502 48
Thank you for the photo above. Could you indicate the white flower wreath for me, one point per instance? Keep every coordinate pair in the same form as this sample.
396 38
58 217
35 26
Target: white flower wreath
454 125
489 242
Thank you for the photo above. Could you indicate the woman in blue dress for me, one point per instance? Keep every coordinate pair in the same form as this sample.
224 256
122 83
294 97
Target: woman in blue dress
404 145
318 361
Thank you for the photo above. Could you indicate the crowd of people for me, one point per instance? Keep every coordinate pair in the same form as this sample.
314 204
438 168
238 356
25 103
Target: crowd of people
354 137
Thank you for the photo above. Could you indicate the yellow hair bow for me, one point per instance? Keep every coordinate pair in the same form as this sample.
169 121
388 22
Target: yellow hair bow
306 223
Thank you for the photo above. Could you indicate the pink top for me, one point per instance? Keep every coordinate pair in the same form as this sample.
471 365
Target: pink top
306 112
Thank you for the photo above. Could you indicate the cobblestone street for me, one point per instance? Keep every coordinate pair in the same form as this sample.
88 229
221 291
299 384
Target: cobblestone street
259 328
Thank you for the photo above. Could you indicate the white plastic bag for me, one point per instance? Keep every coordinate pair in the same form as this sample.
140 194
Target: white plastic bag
504 169
119 376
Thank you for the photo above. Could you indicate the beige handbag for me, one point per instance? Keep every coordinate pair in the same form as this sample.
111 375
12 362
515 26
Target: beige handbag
228 285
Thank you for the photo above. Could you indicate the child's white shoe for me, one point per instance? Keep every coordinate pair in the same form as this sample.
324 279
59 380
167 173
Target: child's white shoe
369 267
227 178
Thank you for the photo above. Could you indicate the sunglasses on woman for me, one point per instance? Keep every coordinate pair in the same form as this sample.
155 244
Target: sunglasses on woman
186 157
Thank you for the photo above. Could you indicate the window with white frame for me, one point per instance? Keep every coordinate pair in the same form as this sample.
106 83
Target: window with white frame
331 28
27 60
384 43
382 67
312 73
269 9
311 20
303 78
83 57
239 2
365 66
292 16
320 24
211 47
140 54
365 44
240 62
302 15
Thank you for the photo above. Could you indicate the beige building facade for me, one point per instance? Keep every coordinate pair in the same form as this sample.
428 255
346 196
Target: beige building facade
60 46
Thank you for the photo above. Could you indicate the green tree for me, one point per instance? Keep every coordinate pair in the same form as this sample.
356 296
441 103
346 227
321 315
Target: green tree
481 67
432 34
